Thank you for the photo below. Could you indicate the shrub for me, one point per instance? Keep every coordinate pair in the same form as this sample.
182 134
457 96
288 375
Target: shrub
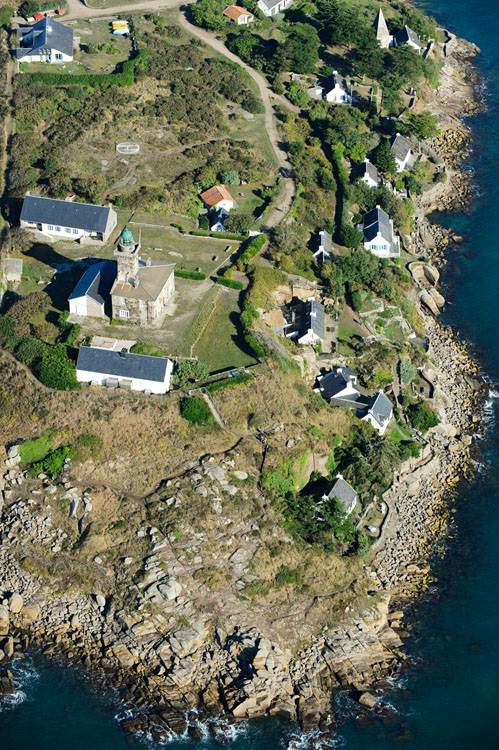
30 350
195 410
53 463
421 417
87 446
37 448
409 449
250 249
231 283
124 75
219 235
56 370
182 273
147 348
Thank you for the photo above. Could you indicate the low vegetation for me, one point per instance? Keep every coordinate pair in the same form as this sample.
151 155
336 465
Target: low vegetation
195 410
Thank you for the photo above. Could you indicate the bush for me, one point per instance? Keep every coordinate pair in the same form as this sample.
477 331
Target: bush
53 463
219 235
56 370
409 449
36 449
250 249
147 348
87 446
182 273
30 350
231 283
124 75
195 410
421 417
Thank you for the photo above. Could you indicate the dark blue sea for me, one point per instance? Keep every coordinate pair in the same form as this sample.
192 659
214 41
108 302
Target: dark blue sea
449 699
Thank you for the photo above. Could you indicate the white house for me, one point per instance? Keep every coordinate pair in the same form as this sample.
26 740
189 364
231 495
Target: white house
91 295
379 412
340 93
217 198
369 174
47 41
304 321
339 388
121 369
379 236
344 493
402 151
324 247
240 16
217 223
407 36
273 7
68 220
383 36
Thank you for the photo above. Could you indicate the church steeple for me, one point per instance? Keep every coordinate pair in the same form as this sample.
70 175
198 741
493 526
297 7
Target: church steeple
382 33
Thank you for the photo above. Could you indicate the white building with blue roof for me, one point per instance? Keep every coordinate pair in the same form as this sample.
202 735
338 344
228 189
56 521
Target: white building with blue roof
91 295
47 41
379 236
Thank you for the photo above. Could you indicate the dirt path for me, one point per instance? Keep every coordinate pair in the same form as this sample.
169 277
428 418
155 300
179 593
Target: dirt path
7 126
76 9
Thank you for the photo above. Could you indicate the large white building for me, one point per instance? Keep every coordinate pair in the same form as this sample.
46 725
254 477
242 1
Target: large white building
121 369
68 220
47 41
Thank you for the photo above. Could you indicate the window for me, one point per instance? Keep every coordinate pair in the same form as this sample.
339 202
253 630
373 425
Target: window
58 56
124 314
50 227
58 229
75 231
67 229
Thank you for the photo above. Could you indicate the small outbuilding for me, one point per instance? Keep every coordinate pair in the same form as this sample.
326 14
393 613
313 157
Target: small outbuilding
379 412
344 493
121 369
239 15
218 197
91 295
369 174
402 151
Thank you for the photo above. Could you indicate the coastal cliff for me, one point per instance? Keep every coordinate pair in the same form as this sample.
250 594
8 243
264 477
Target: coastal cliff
151 628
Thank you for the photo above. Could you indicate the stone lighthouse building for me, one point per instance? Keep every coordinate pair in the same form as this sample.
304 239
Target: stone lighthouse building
143 288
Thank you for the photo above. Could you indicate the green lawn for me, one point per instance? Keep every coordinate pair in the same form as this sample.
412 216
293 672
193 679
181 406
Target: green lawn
221 344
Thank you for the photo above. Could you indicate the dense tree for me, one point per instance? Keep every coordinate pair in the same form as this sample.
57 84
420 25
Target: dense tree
383 158
339 22
209 14
422 125
301 48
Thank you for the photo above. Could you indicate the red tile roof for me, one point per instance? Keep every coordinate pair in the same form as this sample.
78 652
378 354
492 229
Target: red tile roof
235 11
216 194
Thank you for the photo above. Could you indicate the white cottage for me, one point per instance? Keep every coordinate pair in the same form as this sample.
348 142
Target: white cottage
91 295
379 412
121 369
273 7
379 236
340 93
68 220
47 41
369 174
402 151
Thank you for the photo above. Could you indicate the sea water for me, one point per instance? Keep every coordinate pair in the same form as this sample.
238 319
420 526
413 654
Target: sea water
449 699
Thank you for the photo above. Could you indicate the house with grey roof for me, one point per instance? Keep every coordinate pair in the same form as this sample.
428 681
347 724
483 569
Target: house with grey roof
304 321
378 233
273 7
406 35
369 174
344 493
379 412
339 388
324 249
383 36
67 219
91 295
402 151
47 41
122 369
338 91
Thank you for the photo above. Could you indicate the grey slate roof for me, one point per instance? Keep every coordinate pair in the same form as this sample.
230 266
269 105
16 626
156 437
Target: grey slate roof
336 381
381 407
401 146
96 282
86 216
123 365
377 221
405 35
304 316
46 35
326 241
345 493
370 170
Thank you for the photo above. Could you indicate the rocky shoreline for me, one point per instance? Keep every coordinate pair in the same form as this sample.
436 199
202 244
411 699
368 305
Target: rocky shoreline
172 679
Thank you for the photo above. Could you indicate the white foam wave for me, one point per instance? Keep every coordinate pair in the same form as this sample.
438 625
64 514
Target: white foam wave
24 674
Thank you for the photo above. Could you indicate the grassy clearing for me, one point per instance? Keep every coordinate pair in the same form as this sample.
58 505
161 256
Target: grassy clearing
36 449
222 344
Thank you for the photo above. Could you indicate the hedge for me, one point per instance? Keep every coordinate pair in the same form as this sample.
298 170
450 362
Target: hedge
254 246
228 382
231 283
196 275
220 235
123 77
